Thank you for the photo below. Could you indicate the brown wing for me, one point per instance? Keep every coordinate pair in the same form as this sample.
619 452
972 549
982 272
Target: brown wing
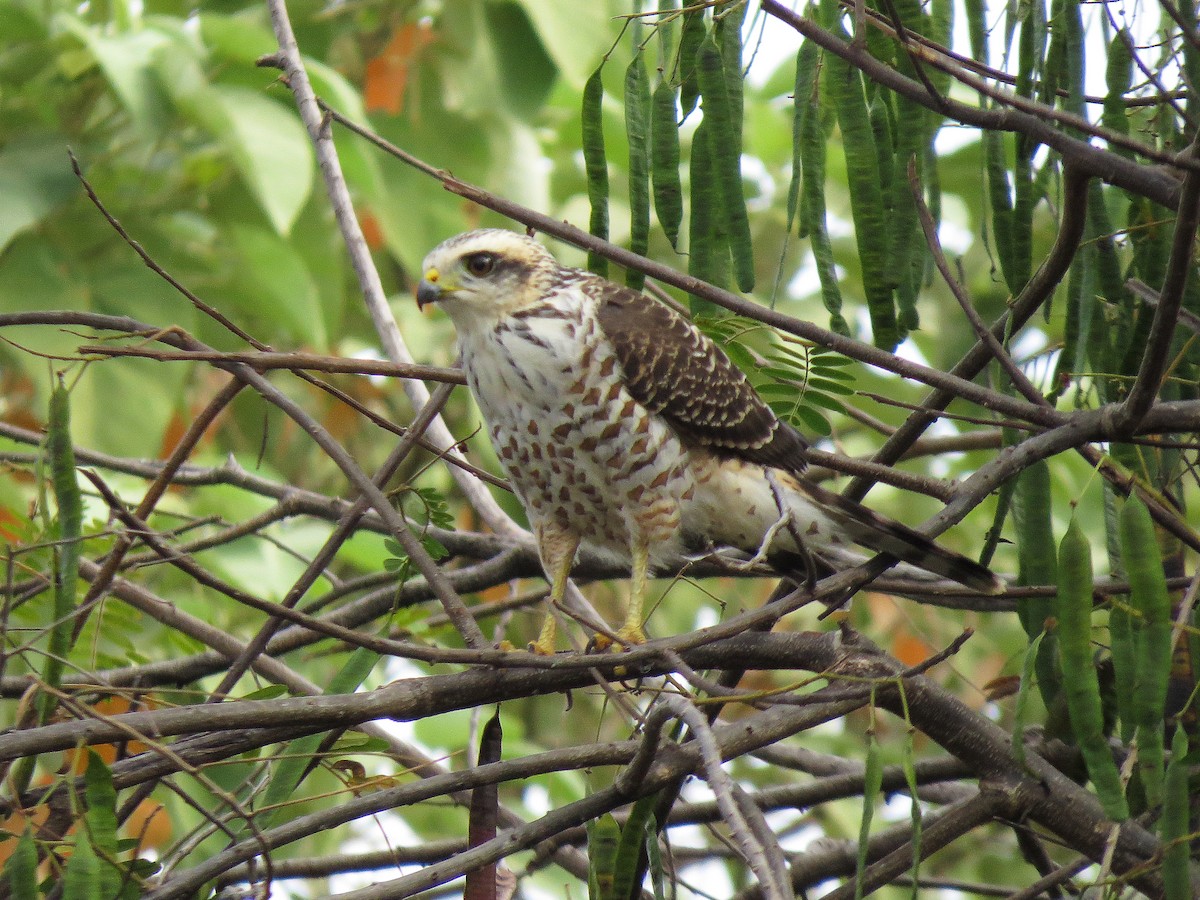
673 369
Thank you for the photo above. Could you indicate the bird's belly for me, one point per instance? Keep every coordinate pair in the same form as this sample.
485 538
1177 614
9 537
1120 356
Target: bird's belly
582 454
735 505
609 471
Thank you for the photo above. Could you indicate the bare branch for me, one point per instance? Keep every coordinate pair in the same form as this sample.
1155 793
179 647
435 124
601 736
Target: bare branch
262 360
289 60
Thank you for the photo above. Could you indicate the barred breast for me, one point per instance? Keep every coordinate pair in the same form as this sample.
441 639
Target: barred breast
580 451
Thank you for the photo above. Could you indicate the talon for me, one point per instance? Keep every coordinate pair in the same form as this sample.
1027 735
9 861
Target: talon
540 649
599 643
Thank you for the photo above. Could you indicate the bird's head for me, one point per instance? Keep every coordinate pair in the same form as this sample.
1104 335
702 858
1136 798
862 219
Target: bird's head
481 277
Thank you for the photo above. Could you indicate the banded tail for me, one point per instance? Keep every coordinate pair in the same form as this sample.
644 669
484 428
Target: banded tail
875 532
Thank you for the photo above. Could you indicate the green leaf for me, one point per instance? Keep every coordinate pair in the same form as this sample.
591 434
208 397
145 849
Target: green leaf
816 398
20 872
334 88
82 871
267 144
101 821
21 22
803 417
742 357
437 510
35 179
238 38
123 428
127 61
785 373
277 276
524 68
270 692
821 370
827 357
827 386
568 33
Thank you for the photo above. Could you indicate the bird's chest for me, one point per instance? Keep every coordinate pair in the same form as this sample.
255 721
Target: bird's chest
524 368
578 448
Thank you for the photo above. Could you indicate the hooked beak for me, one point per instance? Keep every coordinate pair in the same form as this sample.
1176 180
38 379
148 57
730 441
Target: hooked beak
432 288
428 292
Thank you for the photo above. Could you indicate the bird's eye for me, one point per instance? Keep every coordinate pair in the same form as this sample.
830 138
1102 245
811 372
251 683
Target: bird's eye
480 264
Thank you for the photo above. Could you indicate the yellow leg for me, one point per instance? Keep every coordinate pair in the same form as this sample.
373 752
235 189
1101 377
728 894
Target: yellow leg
558 552
544 645
631 631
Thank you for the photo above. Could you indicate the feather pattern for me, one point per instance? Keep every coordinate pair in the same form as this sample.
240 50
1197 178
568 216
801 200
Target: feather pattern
623 426
675 370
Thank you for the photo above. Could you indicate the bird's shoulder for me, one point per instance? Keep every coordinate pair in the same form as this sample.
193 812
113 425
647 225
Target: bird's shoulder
673 369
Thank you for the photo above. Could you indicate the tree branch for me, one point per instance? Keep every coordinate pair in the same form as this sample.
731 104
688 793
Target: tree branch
1107 166
290 61
1157 354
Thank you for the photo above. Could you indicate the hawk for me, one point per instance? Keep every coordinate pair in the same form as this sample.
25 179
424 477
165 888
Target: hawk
623 427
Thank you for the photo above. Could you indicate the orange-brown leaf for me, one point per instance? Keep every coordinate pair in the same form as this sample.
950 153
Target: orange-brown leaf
910 649
387 75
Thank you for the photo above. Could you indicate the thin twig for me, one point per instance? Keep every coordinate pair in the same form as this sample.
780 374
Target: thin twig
1035 121
397 525
344 529
966 73
1018 378
760 851
1157 355
1037 291
263 360
289 60
154 492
